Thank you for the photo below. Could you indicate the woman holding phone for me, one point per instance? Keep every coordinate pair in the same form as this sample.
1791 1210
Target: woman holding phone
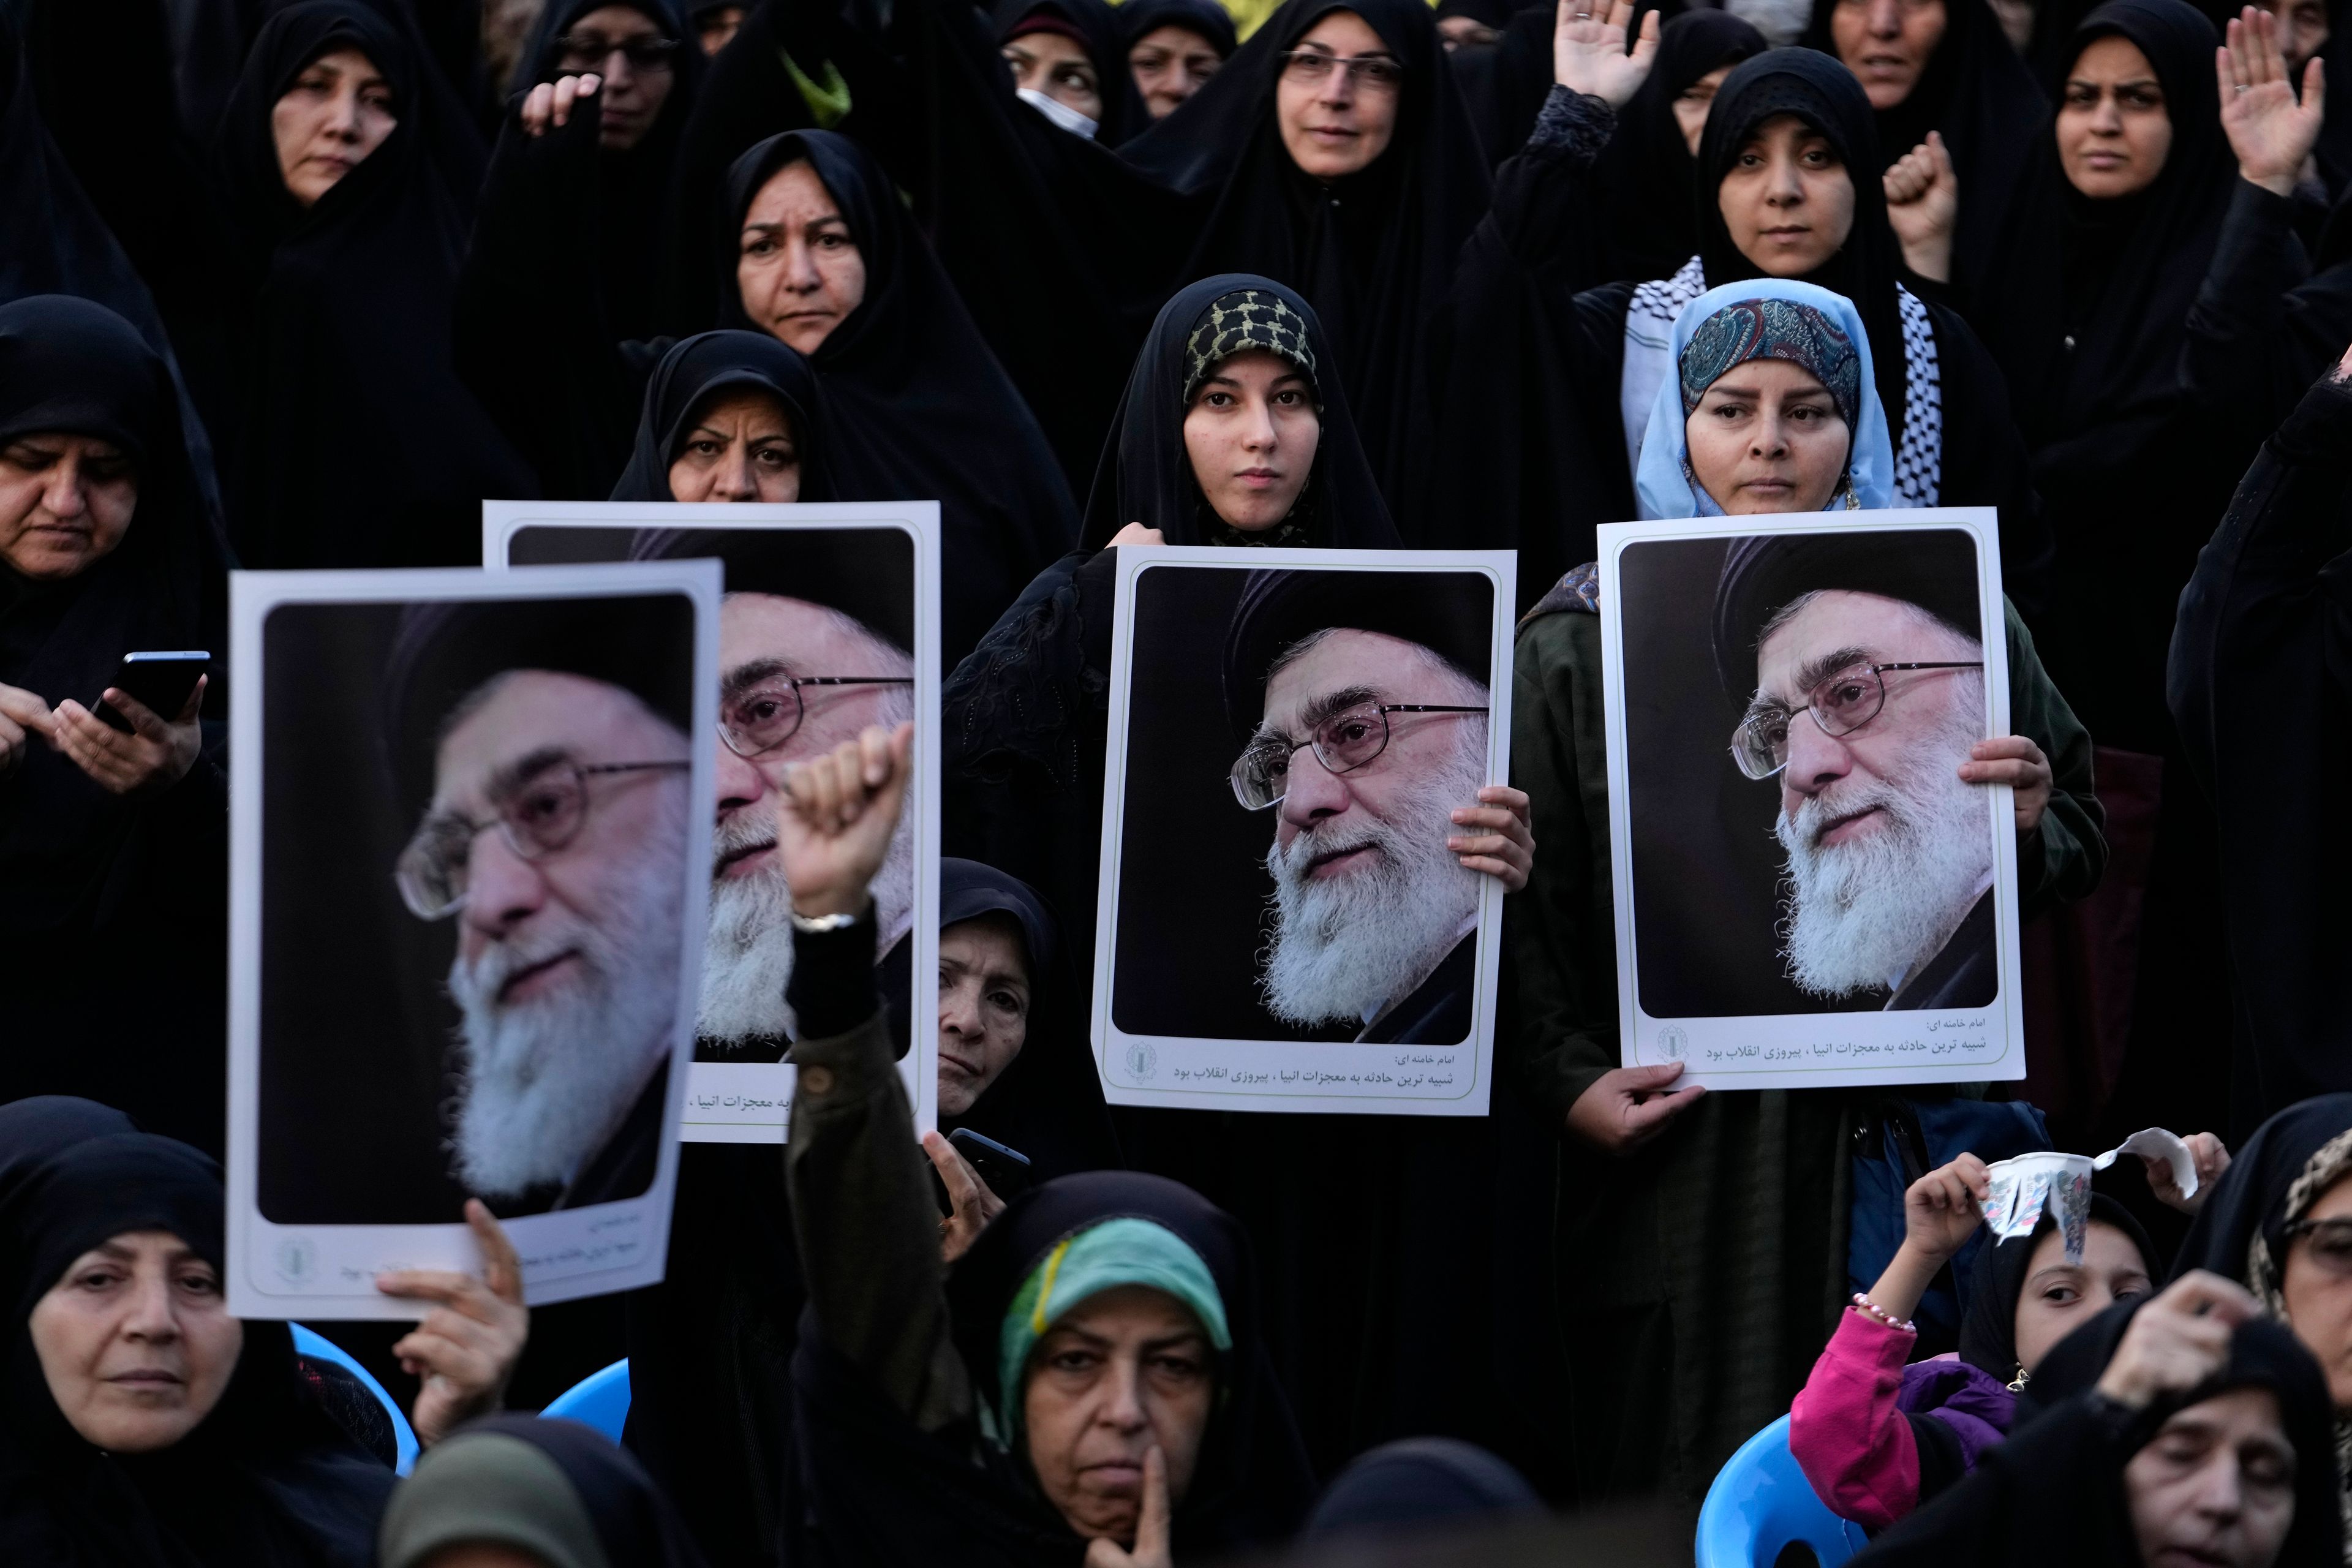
113 843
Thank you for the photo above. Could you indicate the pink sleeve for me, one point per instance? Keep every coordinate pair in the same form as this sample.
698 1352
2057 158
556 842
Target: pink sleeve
1844 1431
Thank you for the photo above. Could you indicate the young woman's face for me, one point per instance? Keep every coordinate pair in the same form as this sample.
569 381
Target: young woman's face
739 448
2317 1286
337 113
1055 64
2059 1297
1337 118
64 501
2114 133
1768 436
1887 44
136 1342
2215 1485
1787 199
799 268
983 1006
1252 432
1121 1373
1692 103
639 63
1171 64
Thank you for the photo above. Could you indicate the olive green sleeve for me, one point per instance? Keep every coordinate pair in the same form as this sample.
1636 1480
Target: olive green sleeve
2064 858
1560 932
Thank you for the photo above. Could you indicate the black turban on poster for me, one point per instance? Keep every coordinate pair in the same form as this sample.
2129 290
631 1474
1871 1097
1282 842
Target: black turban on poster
642 643
698 368
266 1478
1452 614
1934 569
866 573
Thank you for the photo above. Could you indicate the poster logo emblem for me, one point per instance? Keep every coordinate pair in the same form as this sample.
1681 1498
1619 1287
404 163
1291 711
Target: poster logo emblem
1673 1042
1143 1060
298 1259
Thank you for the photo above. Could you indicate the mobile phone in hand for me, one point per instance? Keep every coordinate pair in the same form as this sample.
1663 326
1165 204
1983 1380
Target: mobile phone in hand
161 680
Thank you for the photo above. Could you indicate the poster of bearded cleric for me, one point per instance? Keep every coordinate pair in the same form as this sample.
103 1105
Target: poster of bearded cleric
1810 888
829 623
1285 923
467 891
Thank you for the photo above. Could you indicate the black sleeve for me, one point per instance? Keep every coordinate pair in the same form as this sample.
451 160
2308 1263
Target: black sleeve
832 990
531 333
1942 1463
2033 1498
1986 462
1546 211
2260 329
1019 695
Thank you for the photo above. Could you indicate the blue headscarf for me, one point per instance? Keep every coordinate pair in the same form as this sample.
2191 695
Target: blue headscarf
1730 331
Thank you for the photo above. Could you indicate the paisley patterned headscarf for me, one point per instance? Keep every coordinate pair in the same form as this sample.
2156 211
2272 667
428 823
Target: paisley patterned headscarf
1765 318
1773 329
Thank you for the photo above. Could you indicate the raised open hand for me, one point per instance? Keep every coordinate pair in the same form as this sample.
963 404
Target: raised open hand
2270 131
1588 53
1923 205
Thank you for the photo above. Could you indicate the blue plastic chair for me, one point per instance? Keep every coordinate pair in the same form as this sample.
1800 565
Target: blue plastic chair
1760 1504
599 1400
318 1347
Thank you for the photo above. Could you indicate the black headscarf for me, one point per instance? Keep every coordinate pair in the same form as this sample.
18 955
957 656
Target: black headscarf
634 187
917 407
67 365
1977 91
1822 92
575 1491
2275 1177
1206 18
36 1129
1105 41
1374 252
267 1480
1048 1103
1145 474
1645 174
1421 1482
1989 1327
698 368
350 439
2133 264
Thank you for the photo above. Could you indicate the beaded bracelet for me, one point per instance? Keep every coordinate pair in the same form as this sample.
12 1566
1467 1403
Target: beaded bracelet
1878 1315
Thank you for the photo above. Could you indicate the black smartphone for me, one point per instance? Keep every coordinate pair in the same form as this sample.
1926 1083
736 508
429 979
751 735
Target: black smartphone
161 680
1005 1170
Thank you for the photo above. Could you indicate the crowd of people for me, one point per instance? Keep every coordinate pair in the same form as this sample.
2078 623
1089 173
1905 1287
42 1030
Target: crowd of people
301 283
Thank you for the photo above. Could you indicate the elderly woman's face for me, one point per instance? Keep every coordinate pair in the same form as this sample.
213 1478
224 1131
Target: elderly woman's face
1119 1374
2317 1286
64 501
983 1006
1787 199
2215 1485
136 1342
1251 433
1768 436
337 113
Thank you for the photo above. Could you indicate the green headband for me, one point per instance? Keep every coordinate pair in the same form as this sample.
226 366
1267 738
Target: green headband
1101 1258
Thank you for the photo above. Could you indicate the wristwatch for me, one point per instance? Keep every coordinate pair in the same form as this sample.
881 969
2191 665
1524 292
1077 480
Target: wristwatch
817 925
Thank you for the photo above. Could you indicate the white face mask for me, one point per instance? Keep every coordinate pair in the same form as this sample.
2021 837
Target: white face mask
1060 113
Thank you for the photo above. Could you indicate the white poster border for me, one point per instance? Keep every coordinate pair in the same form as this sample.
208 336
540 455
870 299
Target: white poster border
327 1272
1793 1042
1328 1077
